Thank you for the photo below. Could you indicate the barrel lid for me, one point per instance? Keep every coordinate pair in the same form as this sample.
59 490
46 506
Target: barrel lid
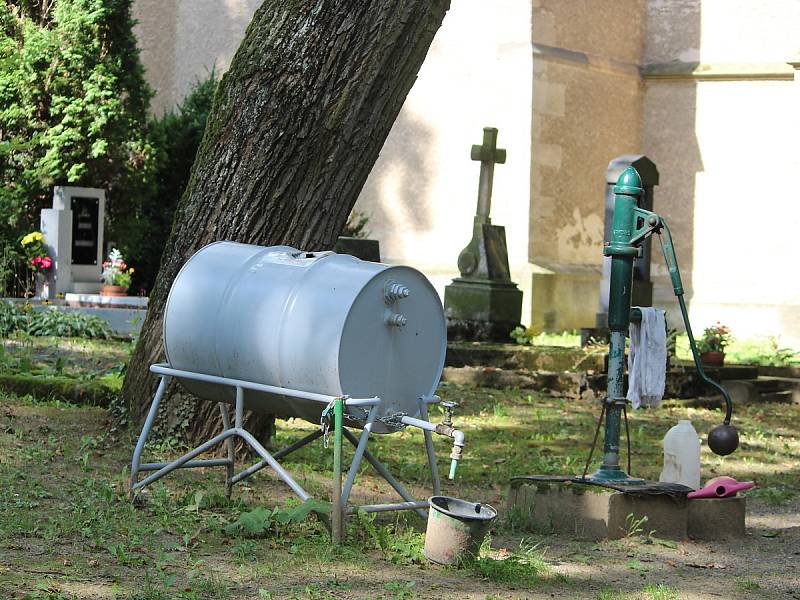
394 347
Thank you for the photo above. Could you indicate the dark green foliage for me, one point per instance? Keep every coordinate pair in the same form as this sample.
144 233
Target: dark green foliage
356 225
85 392
142 233
51 322
73 106
261 520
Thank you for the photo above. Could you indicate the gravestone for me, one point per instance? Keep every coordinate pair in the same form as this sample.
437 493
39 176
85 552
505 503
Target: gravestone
642 291
363 248
484 304
73 232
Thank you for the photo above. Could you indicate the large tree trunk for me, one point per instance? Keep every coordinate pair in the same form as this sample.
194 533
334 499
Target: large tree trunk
297 124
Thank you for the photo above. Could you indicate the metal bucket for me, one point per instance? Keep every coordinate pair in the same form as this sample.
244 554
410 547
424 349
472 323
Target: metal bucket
456 529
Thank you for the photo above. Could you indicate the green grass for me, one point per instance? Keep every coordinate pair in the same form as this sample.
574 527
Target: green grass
764 351
660 592
747 584
67 522
650 592
566 339
525 566
767 351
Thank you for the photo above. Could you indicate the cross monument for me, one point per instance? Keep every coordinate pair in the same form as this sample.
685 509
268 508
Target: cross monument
484 304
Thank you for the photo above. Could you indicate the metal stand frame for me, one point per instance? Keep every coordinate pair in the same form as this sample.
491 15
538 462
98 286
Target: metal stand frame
341 494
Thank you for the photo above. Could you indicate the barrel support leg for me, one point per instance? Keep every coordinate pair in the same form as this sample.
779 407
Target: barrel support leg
386 474
239 416
437 485
277 456
231 448
337 517
148 424
354 466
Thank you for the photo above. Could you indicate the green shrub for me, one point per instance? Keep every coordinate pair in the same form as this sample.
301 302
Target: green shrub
142 233
50 322
11 318
356 225
73 106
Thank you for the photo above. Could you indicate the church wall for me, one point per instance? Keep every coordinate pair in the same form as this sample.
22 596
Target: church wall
720 121
421 195
586 110
182 40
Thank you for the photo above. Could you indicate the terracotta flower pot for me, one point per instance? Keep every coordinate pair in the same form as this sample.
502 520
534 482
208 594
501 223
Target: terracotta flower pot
113 290
712 359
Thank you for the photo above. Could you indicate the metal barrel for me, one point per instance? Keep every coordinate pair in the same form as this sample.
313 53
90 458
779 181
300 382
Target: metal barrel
312 321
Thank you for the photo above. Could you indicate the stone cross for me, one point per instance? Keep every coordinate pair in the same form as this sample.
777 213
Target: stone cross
488 154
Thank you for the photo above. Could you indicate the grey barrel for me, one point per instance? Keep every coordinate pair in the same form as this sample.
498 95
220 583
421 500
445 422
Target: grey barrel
312 321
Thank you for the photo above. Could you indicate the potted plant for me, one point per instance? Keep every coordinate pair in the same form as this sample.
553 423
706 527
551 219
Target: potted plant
116 275
712 345
38 261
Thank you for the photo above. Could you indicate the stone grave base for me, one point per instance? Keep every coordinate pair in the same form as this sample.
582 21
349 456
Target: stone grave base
591 512
479 310
98 301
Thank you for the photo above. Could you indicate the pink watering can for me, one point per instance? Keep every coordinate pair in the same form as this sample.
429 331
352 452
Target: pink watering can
721 487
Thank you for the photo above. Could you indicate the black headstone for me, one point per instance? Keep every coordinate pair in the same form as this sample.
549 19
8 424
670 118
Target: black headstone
85 230
642 292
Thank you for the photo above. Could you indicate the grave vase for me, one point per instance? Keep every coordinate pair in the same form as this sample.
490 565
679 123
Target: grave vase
42 286
113 290
712 359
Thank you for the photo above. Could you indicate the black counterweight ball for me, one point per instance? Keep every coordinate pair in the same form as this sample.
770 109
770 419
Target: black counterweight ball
723 439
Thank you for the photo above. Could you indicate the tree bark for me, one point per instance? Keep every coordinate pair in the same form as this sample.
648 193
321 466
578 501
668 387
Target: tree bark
297 124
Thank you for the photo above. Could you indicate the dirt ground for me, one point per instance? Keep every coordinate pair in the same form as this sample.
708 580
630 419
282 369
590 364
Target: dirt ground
67 529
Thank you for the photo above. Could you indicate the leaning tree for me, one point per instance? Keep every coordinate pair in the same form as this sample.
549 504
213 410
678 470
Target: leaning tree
297 124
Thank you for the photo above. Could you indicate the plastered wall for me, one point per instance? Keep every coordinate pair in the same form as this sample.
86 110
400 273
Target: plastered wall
587 108
720 120
182 40
422 193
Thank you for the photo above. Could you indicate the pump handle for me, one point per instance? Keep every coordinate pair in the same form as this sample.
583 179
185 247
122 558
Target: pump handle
724 438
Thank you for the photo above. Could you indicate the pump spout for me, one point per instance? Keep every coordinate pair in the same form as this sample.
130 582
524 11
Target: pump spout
458 447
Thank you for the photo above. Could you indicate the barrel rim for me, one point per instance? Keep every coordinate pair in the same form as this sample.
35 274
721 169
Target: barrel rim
435 503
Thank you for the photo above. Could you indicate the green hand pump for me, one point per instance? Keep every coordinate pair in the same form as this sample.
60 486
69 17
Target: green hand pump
631 227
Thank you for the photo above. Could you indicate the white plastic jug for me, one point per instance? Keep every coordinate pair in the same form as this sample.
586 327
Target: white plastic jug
682 455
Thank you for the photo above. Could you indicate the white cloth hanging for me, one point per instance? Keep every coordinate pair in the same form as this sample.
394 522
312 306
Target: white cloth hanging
647 359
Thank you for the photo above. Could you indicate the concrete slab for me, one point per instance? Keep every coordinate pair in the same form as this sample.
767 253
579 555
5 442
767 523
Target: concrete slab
590 512
98 301
717 518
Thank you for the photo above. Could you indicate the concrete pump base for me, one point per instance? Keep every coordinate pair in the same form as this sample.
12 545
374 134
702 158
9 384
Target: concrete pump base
717 518
591 512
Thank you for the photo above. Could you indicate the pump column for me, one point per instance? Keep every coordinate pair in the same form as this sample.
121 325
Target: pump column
626 197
